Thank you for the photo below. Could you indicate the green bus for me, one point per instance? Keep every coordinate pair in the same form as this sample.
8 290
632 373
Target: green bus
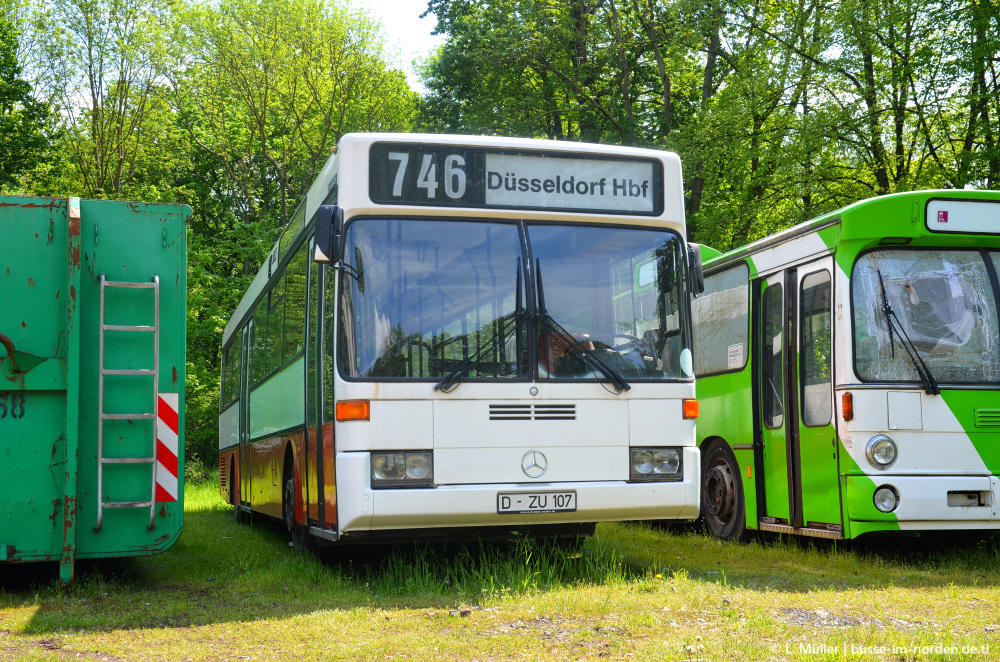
92 365
849 372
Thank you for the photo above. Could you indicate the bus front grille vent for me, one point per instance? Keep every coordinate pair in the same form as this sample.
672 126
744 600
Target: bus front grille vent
532 412
555 412
988 418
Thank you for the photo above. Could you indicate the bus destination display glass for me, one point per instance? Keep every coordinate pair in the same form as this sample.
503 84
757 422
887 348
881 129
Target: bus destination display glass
414 174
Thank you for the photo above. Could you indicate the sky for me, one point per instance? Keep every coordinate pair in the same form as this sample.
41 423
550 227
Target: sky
405 31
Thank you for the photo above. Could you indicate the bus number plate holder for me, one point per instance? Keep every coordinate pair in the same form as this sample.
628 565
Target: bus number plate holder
527 503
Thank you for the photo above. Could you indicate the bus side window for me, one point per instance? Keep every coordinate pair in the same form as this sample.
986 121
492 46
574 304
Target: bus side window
295 304
259 341
721 322
275 324
771 358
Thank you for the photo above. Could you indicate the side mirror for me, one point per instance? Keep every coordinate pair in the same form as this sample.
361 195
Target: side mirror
329 227
696 272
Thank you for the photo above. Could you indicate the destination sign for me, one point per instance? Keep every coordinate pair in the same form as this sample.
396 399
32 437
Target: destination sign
456 176
965 216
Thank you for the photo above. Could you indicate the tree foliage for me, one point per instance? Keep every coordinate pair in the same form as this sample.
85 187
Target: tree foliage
23 119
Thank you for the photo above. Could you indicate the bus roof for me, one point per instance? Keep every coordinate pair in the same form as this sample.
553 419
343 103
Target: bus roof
906 214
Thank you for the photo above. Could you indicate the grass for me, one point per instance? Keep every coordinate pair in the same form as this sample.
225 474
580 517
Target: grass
636 592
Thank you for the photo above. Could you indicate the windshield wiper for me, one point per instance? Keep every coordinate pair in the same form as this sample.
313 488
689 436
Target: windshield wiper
930 385
451 380
576 347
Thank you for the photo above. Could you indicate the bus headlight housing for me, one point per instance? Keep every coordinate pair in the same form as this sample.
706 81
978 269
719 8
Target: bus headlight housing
886 498
402 469
881 451
656 464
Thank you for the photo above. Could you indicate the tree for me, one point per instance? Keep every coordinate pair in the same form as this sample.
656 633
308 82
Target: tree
268 87
24 121
100 63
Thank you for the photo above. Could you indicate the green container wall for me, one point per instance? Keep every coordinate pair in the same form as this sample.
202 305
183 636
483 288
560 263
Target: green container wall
52 254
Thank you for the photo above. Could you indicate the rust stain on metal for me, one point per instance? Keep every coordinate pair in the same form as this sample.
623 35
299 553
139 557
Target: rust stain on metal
70 511
72 293
55 512
55 447
31 282
30 205
74 246
175 374
8 344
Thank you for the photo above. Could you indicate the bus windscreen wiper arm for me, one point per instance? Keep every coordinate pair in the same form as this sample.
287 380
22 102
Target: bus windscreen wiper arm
451 380
576 348
930 385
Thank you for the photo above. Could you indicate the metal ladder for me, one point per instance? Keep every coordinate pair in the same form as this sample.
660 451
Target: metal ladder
154 285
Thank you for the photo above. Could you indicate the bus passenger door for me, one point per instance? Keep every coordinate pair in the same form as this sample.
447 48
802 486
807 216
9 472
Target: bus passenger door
243 450
800 465
819 477
772 352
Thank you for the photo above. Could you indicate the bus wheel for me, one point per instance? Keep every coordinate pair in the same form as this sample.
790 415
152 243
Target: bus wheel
297 531
722 504
234 495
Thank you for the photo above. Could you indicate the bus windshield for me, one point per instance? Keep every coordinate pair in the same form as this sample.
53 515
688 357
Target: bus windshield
424 298
945 304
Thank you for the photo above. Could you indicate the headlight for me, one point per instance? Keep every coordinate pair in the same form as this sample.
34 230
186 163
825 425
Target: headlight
656 464
886 498
402 469
881 451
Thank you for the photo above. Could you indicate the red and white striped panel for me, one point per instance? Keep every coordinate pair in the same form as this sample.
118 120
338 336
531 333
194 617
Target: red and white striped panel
167 415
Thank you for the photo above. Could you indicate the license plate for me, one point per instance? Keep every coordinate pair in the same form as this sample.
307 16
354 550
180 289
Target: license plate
523 503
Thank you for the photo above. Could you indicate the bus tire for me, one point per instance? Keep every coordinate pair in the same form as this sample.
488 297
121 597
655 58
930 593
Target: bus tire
234 496
295 530
722 502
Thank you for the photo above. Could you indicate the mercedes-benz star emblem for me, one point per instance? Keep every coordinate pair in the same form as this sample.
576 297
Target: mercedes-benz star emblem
534 464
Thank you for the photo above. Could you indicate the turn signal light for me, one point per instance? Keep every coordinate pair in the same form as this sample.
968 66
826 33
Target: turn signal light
847 406
690 409
353 410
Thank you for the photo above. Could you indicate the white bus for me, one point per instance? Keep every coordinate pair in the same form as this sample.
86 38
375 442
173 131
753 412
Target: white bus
466 337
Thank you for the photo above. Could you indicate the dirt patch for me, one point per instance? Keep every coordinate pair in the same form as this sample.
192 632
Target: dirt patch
824 619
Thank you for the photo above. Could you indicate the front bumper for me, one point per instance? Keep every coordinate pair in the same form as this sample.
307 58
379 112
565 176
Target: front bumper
362 509
928 502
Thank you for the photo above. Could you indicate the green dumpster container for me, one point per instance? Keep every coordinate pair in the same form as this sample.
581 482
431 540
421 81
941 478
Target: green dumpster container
92 370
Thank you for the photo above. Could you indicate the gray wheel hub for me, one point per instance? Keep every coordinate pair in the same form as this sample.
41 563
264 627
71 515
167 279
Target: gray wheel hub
720 492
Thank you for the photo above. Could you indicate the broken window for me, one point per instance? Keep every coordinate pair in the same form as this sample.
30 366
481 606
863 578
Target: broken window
945 306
